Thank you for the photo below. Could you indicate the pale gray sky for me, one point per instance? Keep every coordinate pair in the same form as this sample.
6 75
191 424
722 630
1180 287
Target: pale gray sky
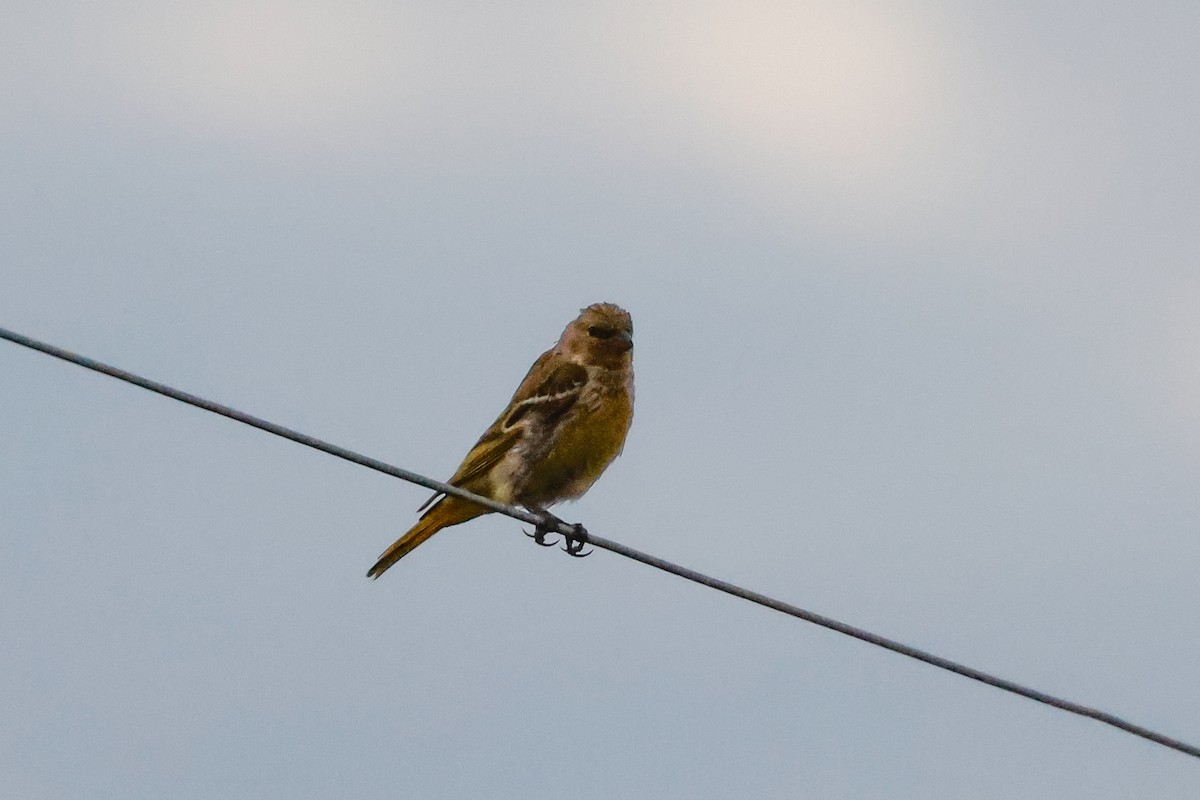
915 291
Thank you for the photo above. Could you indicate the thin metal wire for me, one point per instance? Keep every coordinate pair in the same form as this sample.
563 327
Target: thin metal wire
262 424
894 646
606 544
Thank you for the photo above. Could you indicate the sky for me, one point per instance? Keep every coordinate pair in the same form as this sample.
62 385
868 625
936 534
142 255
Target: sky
914 289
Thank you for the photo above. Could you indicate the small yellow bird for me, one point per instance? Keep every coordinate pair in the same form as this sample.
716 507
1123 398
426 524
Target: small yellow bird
563 427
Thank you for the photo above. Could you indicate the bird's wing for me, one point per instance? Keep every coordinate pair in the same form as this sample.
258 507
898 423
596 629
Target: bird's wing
552 397
548 391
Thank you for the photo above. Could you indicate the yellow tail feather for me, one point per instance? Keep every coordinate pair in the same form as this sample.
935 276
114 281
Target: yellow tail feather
446 512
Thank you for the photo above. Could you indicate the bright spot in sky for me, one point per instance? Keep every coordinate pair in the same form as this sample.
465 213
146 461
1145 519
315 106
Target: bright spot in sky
836 88
261 69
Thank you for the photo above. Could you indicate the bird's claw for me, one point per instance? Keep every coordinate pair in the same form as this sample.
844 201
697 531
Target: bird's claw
539 537
574 542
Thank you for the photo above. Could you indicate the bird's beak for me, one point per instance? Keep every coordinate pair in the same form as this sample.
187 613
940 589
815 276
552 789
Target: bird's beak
624 341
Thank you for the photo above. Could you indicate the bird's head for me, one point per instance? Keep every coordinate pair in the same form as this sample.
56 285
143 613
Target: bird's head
601 334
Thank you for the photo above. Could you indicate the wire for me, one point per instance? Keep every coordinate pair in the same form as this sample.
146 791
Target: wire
605 544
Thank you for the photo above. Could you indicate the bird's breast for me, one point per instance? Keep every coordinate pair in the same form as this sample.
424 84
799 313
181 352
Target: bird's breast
586 442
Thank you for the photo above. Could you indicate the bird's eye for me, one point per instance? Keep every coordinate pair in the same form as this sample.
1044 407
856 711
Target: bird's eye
600 332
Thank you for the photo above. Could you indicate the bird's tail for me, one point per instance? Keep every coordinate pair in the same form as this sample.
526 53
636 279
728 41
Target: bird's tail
446 512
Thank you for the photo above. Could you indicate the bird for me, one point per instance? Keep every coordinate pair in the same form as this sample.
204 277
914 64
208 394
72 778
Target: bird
564 425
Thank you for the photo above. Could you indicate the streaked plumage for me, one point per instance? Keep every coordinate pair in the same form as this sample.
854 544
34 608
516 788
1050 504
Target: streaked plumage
565 424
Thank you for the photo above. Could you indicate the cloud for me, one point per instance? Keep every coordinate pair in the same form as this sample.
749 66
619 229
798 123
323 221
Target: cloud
874 121
833 89
842 119
265 71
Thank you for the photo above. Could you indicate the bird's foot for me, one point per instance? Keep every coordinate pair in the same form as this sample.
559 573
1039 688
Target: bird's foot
539 537
548 524
573 543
